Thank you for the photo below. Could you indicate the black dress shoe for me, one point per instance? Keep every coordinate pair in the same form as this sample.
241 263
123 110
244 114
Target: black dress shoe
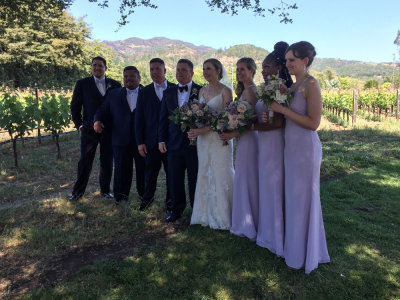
107 195
120 199
75 197
145 204
172 218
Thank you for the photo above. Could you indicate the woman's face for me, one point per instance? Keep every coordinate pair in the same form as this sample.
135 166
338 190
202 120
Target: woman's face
269 67
295 65
209 72
243 74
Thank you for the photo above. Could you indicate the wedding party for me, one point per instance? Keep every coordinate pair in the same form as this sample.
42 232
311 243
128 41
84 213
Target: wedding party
252 163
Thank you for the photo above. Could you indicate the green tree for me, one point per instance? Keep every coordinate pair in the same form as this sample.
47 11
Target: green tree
371 84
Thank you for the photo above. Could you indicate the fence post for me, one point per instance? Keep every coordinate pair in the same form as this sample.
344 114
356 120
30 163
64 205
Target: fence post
354 106
397 110
37 99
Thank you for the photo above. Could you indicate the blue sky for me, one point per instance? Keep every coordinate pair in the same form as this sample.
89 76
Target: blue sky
353 30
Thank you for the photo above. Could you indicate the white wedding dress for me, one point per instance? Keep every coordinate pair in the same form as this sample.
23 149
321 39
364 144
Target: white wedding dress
214 189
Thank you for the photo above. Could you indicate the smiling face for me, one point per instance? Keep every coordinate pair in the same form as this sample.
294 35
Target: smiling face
131 79
210 73
244 74
183 73
295 65
269 67
157 72
98 68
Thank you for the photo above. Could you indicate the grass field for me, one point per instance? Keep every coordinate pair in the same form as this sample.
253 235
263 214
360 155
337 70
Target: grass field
91 249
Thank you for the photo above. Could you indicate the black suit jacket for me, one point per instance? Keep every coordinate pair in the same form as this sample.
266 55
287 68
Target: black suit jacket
87 96
168 131
116 112
147 116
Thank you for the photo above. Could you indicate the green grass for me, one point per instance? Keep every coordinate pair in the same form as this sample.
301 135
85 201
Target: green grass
361 216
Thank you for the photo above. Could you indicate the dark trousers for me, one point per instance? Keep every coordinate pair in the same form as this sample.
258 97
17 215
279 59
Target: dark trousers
154 159
89 142
123 171
179 161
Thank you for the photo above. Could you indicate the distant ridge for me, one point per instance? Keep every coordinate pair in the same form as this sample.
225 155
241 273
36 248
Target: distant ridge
140 51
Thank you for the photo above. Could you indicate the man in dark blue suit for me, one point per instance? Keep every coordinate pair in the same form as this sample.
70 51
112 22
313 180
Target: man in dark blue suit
89 94
146 131
181 155
119 111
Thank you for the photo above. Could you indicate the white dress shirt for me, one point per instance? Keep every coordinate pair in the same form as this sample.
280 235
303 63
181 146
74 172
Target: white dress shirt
160 89
183 96
101 84
131 97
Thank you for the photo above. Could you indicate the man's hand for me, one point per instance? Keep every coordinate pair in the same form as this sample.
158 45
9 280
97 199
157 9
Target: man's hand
142 150
98 126
162 147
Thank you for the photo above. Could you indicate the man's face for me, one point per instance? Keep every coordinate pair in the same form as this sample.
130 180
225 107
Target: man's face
131 79
98 68
157 72
183 73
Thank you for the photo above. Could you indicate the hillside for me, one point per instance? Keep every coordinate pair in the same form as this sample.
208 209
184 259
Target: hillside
139 51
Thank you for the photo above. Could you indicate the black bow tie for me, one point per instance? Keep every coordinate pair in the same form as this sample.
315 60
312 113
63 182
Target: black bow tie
183 88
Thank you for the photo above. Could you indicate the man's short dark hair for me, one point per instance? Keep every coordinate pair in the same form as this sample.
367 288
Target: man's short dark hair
99 58
157 60
186 61
129 68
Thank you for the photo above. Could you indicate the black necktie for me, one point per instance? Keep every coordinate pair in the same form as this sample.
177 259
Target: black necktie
183 88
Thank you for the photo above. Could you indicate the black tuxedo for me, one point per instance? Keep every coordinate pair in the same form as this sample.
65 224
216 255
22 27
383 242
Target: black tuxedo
146 131
181 155
116 112
86 96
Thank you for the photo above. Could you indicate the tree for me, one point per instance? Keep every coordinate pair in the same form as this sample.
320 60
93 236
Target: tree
17 11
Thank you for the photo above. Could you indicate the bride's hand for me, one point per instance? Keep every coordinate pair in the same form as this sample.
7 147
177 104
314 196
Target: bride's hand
194 133
226 136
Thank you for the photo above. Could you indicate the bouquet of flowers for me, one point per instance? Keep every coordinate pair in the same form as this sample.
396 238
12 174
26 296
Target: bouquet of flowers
274 90
192 114
236 116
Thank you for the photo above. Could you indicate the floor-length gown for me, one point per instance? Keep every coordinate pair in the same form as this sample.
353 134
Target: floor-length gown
214 188
245 187
305 242
271 227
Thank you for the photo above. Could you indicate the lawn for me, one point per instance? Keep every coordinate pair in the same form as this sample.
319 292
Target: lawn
91 249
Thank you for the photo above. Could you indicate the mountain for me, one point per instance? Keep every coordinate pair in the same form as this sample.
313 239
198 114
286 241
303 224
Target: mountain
139 51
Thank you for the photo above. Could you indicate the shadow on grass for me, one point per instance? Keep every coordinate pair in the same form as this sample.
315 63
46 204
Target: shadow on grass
361 214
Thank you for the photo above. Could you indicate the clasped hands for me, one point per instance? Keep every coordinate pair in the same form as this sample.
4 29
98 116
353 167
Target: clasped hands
195 132
275 107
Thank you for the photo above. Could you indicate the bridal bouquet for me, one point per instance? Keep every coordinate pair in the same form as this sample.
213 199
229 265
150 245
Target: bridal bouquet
236 116
192 114
274 90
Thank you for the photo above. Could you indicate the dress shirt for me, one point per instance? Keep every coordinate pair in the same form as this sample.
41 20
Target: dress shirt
101 84
183 96
131 96
160 89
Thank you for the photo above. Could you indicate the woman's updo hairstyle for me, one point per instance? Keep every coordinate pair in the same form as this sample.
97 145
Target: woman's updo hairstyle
302 50
278 57
217 65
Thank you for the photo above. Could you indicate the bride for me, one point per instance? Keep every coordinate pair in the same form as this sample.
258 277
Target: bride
214 188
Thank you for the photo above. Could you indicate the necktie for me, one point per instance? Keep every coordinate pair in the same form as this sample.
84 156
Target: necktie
160 86
131 92
183 88
100 85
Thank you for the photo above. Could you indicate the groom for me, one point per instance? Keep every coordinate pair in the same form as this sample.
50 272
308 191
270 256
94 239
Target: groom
181 155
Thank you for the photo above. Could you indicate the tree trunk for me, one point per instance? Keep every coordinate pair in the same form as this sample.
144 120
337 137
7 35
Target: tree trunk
58 146
14 143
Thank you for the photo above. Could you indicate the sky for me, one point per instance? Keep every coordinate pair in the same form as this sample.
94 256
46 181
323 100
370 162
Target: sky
362 30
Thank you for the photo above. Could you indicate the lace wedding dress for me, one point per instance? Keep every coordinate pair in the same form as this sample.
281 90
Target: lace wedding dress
214 188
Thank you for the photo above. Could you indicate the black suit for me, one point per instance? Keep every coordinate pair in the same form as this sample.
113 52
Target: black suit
181 155
116 111
87 97
146 130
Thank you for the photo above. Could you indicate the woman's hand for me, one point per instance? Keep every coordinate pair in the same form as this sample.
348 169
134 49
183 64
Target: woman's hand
276 107
265 117
195 132
226 136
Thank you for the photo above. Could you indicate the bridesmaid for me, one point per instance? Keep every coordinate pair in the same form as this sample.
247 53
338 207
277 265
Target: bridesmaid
271 227
245 186
305 243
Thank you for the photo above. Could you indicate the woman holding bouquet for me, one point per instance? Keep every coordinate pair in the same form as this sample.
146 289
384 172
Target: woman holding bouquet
305 243
214 188
271 227
245 187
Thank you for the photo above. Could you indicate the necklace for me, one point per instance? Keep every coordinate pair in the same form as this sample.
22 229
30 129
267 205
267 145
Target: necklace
298 85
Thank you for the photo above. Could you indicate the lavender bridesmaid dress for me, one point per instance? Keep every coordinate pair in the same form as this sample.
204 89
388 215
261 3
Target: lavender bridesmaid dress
305 243
245 187
270 233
